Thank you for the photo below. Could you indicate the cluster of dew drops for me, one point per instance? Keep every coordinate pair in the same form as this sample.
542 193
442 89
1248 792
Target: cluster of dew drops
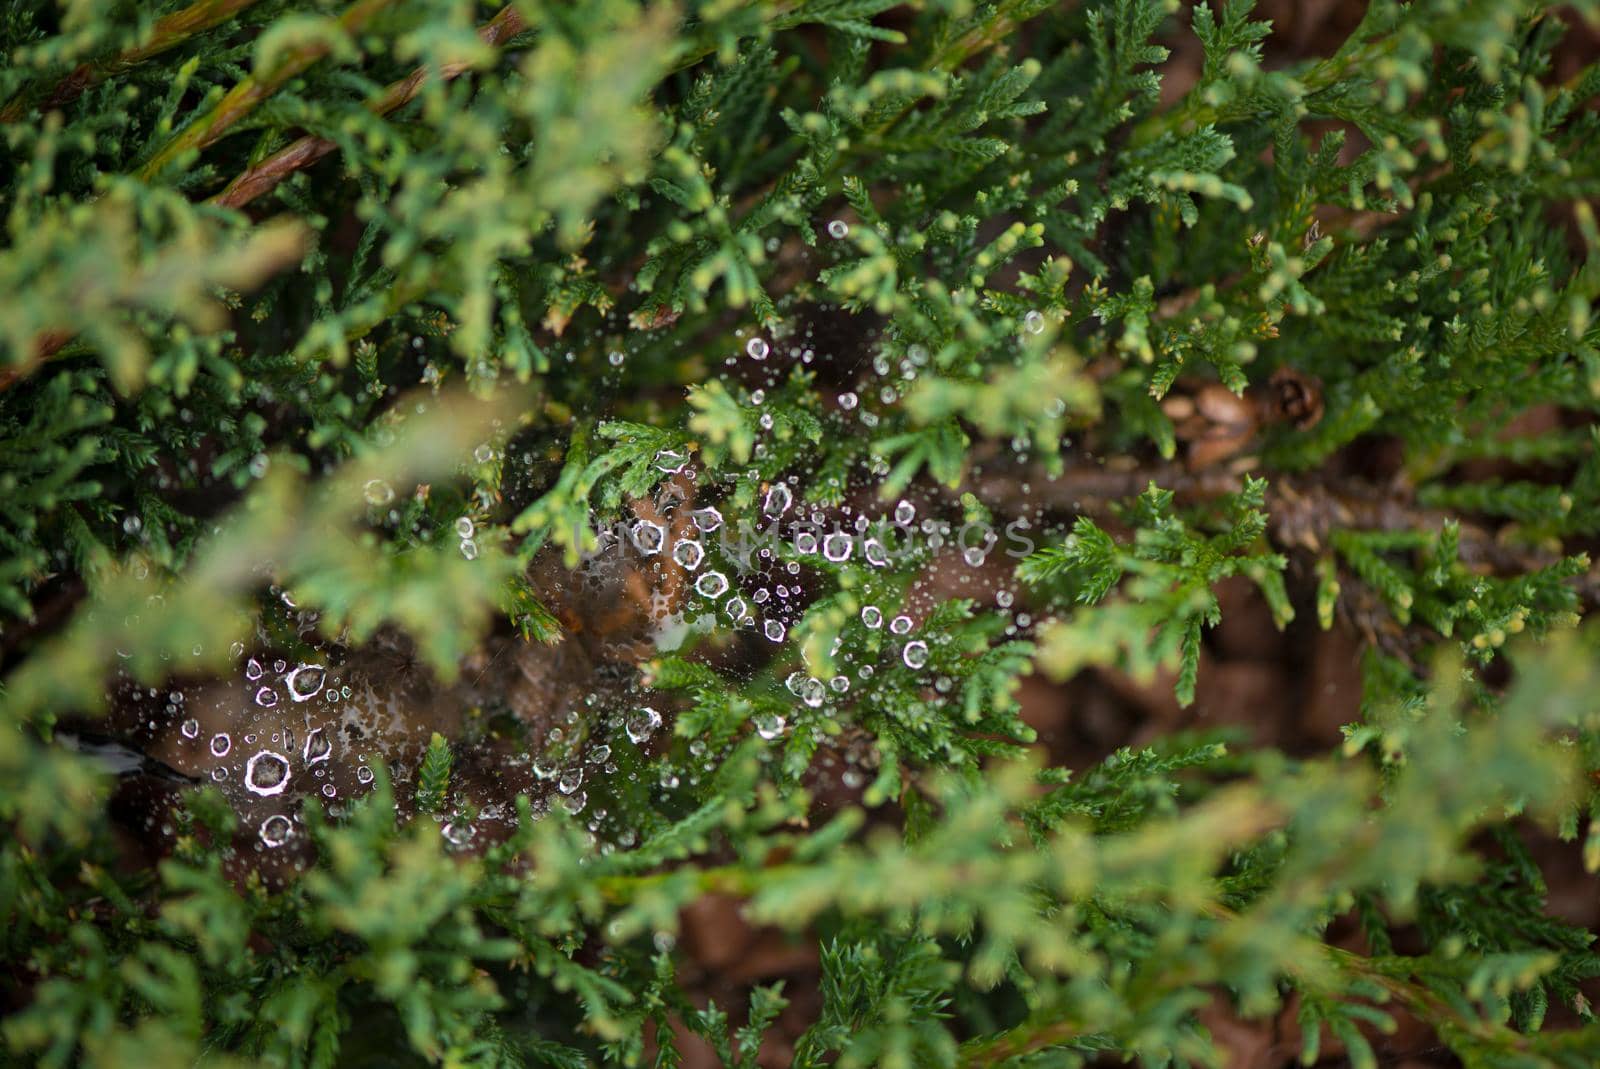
265 767
839 535
265 763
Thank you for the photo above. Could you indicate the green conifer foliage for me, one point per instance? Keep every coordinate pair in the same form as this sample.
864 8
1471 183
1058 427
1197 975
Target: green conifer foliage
607 456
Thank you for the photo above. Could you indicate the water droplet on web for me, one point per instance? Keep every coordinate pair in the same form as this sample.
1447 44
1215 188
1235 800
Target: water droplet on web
276 830
848 400
973 555
570 780
900 625
220 745
757 348
378 492
736 610
364 774
1034 321
267 773
774 630
647 537
252 669
688 553
872 616
469 549
711 585
266 697
769 725
642 724
616 358
813 693
305 681
837 547
190 728
838 229
671 461
915 654
876 555
458 832
464 527
839 684
805 542
779 498
707 519
904 513
318 747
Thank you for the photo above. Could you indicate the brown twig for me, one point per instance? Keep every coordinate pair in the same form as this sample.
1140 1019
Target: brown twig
266 175
243 98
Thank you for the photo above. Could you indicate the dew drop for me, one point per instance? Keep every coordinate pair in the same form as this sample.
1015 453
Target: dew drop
276 830
915 654
711 585
305 681
688 554
267 773
779 498
464 527
642 724
904 513
769 725
190 728
757 348
838 229
318 748
647 537
252 669
266 697
837 547
221 744
707 519
378 492
774 630
900 625
872 616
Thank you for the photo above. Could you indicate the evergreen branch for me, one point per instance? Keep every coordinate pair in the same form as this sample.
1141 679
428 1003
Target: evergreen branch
248 94
167 33
263 177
